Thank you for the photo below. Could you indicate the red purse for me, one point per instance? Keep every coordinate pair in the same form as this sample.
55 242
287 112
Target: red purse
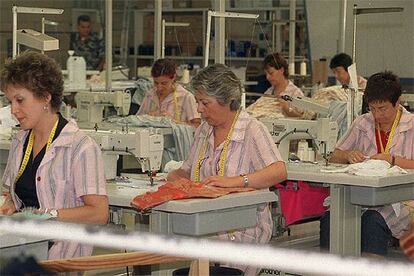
299 200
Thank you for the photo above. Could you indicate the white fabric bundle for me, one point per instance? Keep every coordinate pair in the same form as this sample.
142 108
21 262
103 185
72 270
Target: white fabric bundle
369 167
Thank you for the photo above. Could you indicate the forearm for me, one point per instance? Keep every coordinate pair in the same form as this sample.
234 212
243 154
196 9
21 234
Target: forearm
404 163
177 174
339 156
96 213
267 177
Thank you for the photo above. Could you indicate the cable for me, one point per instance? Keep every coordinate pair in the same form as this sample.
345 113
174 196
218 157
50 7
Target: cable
215 251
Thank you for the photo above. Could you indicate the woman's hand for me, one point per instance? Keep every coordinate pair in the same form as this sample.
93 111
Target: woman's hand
8 207
407 243
383 156
284 105
355 156
223 181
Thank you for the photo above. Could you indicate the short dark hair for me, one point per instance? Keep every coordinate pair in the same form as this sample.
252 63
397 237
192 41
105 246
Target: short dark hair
383 87
37 73
341 60
276 61
163 67
84 18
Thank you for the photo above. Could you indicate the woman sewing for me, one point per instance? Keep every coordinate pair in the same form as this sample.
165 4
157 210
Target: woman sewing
276 69
385 133
53 168
231 149
167 98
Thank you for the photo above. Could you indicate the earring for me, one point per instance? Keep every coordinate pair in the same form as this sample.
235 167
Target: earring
45 108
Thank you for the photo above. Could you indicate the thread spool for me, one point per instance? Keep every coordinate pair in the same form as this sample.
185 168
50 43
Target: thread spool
303 150
186 76
311 155
303 68
291 68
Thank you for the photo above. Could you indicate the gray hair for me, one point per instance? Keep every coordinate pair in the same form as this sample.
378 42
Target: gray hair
218 81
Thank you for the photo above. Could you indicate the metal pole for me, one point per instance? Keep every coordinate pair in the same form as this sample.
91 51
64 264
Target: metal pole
157 28
108 45
14 11
207 47
292 38
163 38
342 25
43 30
354 34
220 30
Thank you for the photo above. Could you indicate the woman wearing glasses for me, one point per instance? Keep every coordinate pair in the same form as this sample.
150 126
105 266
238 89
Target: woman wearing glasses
385 133
231 149
167 98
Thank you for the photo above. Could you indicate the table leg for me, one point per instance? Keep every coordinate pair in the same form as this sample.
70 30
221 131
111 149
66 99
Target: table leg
160 224
345 222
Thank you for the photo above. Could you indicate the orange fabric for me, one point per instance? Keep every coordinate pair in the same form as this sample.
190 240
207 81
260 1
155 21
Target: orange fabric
181 189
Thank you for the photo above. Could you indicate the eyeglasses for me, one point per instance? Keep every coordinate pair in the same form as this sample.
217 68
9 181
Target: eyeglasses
380 110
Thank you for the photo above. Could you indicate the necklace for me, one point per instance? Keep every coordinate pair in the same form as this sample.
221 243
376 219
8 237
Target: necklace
223 154
391 133
29 149
177 111
176 107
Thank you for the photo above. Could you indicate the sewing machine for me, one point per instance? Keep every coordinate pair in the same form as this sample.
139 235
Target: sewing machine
91 106
407 100
308 104
146 145
323 132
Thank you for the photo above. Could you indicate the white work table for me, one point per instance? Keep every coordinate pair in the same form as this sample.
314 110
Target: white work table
350 192
195 217
12 245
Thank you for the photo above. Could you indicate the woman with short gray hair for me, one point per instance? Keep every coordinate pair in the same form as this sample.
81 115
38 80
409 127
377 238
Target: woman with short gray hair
231 149
219 82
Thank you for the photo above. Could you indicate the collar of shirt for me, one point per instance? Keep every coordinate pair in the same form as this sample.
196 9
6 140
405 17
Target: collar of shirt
367 124
239 128
65 137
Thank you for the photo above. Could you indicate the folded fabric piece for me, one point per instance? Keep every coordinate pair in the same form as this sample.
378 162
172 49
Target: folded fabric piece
181 189
369 167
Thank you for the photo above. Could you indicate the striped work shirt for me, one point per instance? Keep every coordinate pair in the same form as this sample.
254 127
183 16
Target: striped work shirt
361 136
186 104
71 168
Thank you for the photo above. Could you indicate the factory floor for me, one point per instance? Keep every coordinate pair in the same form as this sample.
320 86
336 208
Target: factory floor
302 236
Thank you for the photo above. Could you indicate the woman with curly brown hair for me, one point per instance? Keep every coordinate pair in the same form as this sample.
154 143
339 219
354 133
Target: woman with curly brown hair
53 167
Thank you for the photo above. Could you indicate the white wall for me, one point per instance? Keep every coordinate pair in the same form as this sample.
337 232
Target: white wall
384 41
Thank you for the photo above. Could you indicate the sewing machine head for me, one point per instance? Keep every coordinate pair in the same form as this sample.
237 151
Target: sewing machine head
90 105
323 133
146 145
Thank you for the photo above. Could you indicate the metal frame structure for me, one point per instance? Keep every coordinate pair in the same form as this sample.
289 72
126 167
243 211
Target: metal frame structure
358 11
16 10
211 14
169 24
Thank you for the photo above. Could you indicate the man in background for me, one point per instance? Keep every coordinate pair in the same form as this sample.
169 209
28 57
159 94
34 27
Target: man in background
88 44
339 65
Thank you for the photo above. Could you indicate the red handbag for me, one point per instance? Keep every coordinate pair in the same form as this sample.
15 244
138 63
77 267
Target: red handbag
299 200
